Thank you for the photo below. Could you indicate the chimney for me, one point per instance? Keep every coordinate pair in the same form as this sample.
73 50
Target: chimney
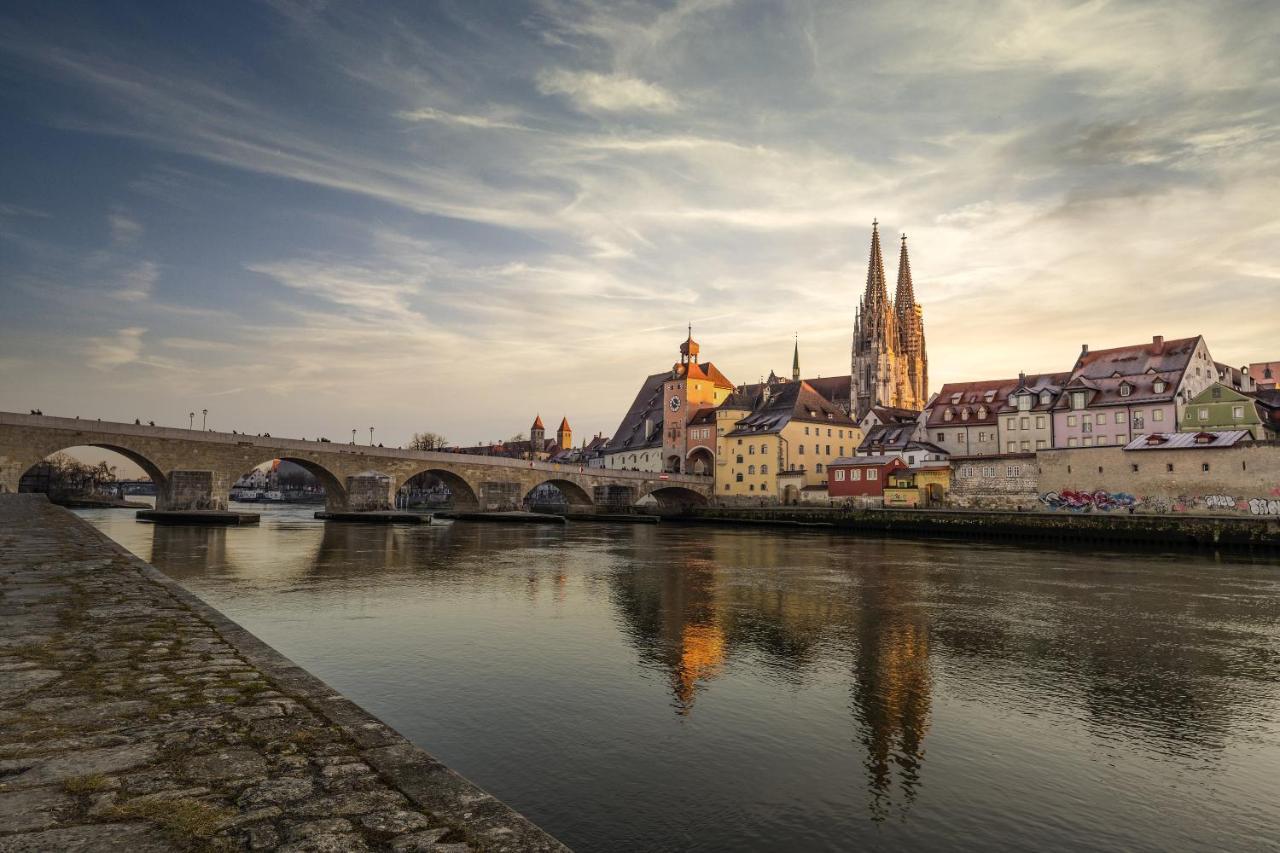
1084 349
1158 340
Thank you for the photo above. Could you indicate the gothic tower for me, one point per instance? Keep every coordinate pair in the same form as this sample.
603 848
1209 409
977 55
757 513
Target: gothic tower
889 367
913 380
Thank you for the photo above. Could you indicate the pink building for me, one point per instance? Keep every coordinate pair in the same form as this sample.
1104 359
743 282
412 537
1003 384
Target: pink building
1116 394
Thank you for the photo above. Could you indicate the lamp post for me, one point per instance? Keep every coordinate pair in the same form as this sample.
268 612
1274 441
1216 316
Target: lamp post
353 436
191 420
371 436
204 419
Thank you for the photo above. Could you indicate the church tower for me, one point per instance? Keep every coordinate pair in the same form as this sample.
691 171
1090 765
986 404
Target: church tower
564 434
913 379
889 367
537 435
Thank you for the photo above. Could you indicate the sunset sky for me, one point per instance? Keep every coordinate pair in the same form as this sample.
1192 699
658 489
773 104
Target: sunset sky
317 216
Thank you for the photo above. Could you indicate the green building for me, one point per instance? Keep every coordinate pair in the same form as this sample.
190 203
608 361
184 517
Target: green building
1219 407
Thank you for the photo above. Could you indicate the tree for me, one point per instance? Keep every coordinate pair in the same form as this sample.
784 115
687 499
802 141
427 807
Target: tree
428 441
517 437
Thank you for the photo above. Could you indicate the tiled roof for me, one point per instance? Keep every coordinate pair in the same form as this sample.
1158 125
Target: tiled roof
860 461
1105 372
705 415
970 403
1051 382
894 436
648 403
1187 440
834 388
778 404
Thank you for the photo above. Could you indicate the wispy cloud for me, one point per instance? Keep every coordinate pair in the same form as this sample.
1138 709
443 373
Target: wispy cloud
124 347
590 90
124 229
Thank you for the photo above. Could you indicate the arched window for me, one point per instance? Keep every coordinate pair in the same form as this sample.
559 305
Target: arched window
751 469
751 450
764 469
764 448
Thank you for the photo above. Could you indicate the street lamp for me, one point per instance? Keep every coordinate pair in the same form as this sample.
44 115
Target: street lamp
191 420
204 420
371 436
353 436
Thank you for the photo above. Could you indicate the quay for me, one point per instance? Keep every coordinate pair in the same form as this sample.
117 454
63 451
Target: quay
218 517
133 715
1197 531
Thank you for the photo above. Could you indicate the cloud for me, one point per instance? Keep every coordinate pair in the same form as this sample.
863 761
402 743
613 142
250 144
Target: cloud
125 347
137 282
124 230
432 114
591 91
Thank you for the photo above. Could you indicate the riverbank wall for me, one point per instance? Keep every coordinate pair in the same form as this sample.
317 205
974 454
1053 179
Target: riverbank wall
1168 530
133 715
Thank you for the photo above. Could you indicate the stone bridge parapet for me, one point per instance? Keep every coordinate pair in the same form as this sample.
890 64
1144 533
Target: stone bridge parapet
195 470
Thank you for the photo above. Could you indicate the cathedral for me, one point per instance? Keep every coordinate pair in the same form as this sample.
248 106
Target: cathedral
889 363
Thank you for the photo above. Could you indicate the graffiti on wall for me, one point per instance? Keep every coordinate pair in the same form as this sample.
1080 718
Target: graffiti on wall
1221 502
1262 506
1101 500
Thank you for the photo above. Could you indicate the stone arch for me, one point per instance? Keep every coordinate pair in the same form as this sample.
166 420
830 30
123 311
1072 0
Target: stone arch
701 460
463 493
575 495
152 470
672 464
335 491
675 498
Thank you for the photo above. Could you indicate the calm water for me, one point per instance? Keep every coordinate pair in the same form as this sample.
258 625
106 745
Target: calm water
671 688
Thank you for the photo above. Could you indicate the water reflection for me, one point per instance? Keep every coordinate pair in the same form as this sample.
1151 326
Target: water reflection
792 680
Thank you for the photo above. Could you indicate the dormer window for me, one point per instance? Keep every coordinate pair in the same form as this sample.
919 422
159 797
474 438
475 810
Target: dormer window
1024 402
982 413
1044 398
1077 399
948 415
1125 389
955 398
1158 386
964 414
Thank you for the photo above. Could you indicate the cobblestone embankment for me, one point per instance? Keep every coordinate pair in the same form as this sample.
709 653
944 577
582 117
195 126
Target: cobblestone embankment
134 716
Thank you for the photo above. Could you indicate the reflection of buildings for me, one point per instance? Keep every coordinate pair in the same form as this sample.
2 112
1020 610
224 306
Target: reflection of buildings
892 687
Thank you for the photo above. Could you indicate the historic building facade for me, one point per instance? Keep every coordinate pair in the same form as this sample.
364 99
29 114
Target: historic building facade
889 364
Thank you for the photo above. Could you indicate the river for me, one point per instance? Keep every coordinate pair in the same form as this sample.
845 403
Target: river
644 688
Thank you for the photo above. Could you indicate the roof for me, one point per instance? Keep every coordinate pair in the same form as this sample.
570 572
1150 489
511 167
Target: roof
537 423
1102 373
564 425
1187 440
1036 385
970 403
861 461
630 434
706 372
896 436
893 414
705 415
834 388
778 404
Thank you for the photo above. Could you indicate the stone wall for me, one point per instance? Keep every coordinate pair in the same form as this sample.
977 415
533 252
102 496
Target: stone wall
1240 480
1000 482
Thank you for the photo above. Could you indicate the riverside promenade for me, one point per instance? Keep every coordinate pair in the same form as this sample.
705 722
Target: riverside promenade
134 716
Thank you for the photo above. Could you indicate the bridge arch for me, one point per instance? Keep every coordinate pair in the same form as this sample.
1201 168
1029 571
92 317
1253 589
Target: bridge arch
151 469
574 495
464 494
674 498
335 491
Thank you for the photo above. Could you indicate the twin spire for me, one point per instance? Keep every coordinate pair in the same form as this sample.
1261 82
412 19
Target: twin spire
877 292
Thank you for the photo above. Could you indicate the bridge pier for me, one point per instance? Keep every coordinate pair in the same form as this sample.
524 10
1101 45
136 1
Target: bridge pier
193 490
367 492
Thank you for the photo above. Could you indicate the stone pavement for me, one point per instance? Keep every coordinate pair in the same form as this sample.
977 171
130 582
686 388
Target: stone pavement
132 715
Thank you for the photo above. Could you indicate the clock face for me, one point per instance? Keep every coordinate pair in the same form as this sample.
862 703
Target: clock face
675 404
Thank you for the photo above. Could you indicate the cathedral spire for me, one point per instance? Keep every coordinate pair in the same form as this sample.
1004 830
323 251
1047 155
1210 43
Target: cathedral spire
904 298
795 362
876 294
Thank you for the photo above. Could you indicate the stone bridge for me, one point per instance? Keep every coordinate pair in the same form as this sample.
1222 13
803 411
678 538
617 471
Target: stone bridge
195 470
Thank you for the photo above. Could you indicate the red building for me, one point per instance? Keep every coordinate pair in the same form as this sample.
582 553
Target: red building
861 476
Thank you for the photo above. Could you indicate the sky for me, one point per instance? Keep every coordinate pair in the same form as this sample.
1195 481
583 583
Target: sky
309 217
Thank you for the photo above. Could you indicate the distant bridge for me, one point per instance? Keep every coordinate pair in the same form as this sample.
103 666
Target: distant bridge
195 470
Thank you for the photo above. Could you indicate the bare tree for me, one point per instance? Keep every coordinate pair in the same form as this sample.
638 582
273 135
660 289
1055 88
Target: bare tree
428 441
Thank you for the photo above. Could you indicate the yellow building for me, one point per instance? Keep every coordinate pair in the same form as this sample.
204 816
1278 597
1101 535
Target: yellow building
778 427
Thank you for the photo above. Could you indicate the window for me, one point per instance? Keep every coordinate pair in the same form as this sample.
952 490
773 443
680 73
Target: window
751 450
1010 423
1013 471
751 469
726 487
1071 420
764 487
801 451
1044 398
873 474
1237 413
738 476
764 448
1157 414
1026 423
966 471
1124 390
1204 466
855 474
842 450
1024 402
1158 387
806 430
1039 421
942 436
1009 446
960 437
1025 446
739 458
1086 427
839 475
1169 467
828 450
1202 413
1073 442
1099 469
818 468
1133 468
1102 439
1088 441
1086 419
751 488
1077 399
947 415
988 470
1041 444
1119 439
828 432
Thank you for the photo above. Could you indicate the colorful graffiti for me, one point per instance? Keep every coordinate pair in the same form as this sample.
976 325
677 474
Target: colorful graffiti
1262 506
1221 502
1101 500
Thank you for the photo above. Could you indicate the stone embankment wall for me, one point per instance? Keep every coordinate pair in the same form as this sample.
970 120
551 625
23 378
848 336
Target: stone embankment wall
135 717
998 483
1242 480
